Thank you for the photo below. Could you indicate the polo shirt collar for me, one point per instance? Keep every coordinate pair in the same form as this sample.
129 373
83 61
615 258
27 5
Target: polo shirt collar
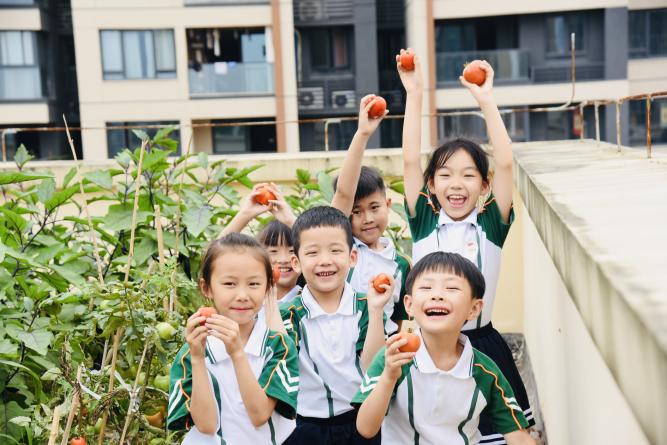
444 219
217 352
461 370
313 308
387 252
291 295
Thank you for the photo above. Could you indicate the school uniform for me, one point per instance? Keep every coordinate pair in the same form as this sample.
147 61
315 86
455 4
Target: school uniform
370 263
291 295
479 238
274 362
430 406
330 373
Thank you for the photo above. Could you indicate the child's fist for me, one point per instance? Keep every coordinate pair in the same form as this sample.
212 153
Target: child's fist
378 299
371 112
409 70
394 359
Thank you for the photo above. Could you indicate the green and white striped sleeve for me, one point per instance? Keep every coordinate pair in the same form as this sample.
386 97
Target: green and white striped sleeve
280 375
180 391
370 378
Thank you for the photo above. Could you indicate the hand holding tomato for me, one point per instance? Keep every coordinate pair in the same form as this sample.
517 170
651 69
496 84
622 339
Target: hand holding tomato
394 359
377 300
228 331
372 109
279 207
195 335
472 76
411 76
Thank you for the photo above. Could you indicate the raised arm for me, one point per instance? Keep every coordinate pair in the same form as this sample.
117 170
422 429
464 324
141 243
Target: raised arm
248 211
500 140
412 171
346 186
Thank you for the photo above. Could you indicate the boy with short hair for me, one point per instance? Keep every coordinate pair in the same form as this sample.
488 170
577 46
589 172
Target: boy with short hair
360 193
436 394
337 331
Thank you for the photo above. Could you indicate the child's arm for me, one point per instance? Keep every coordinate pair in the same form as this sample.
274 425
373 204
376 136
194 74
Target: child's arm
413 180
248 211
346 187
519 438
500 140
258 405
202 402
279 208
373 409
375 331
273 319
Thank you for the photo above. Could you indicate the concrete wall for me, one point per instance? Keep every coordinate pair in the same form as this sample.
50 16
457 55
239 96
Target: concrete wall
580 400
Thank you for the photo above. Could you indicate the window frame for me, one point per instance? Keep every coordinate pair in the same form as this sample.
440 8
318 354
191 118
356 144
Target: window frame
577 52
348 32
111 75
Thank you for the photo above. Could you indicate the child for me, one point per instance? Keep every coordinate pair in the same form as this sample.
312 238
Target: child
235 381
441 203
276 237
336 330
436 395
360 193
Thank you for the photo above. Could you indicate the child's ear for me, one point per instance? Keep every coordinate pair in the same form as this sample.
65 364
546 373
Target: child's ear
486 186
353 257
295 263
205 289
477 305
430 186
407 302
389 202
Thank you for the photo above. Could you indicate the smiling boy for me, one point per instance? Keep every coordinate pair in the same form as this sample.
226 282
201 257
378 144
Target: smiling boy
436 395
337 331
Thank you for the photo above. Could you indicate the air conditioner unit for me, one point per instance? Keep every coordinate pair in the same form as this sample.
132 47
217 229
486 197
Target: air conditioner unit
310 10
343 99
311 98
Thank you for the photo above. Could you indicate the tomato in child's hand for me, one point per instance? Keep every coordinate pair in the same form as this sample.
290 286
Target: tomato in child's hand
206 312
276 274
413 342
78 441
379 280
264 195
473 73
378 108
407 61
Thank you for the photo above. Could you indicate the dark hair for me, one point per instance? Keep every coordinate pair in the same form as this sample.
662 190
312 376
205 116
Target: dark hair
236 242
275 234
448 262
442 154
321 216
370 181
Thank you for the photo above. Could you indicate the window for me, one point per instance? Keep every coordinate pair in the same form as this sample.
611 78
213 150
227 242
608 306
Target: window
330 49
138 54
244 139
559 29
638 122
17 2
20 77
122 138
648 33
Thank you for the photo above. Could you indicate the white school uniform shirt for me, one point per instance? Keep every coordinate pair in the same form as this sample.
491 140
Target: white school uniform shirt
371 263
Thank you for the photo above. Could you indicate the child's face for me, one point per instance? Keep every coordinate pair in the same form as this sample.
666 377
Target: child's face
458 185
281 257
442 302
238 286
325 258
370 216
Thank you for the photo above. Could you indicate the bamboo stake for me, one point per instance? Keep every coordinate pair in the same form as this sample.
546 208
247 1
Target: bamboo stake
134 210
114 357
73 409
172 294
160 249
54 426
130 410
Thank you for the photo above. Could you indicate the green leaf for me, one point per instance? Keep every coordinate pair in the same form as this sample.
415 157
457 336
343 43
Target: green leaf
16 177
400 209
68 274
46 189
197 219
124 158
22 156
20 420
61 197
69 176
38 340
203 159
303 176
16 221
141 134
326 186
119 217
9 411
101 178
143 250
7 347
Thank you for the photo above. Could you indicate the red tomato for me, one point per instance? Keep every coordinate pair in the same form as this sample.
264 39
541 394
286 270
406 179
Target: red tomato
413 342
378 108
276 274
473 73
78 441
407 61
264 195
379 280
206 312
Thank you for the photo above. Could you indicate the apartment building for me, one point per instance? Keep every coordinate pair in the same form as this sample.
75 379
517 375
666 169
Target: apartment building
621 49
37 76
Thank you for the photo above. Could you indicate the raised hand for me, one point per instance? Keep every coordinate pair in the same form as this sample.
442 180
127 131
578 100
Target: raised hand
412 80
484 92
367 125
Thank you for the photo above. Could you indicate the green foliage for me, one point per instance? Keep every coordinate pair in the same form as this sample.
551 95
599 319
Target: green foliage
56 317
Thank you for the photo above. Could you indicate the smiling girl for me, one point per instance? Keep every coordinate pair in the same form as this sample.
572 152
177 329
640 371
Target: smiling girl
235 381
454 206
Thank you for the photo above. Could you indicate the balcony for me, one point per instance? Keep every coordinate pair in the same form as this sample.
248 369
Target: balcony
231 78
221 2
4 3
510 65
19 83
